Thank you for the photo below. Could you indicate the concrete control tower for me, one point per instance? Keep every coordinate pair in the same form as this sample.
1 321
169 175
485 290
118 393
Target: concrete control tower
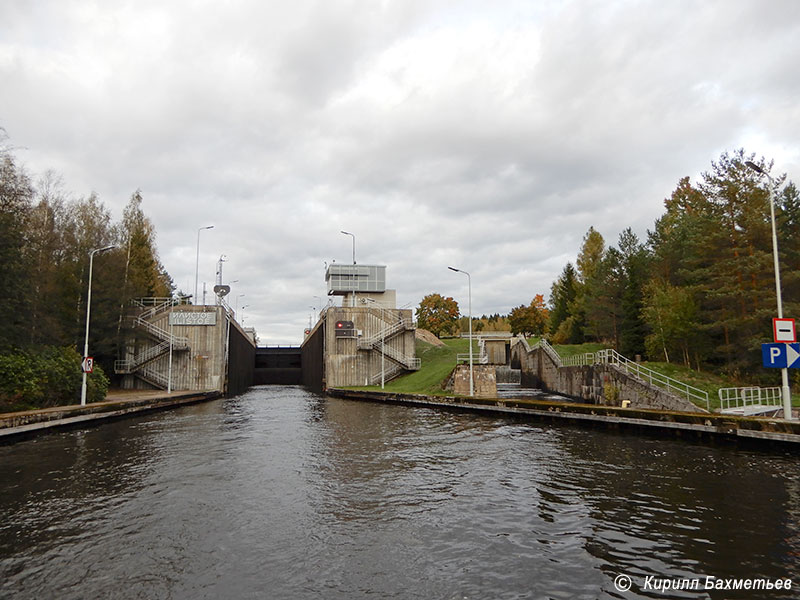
366 340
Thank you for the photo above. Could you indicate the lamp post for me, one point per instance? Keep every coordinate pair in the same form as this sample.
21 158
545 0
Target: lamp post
197 262
88 311
354 244
785 391
236 310
320 305
383 342
171 340
469 287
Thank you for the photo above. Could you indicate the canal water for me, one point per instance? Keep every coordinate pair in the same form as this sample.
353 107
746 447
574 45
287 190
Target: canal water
280 493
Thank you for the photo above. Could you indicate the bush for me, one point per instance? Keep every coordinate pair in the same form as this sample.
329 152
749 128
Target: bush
50 376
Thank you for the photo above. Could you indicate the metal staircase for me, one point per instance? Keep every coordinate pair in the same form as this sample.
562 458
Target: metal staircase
139 365
377 342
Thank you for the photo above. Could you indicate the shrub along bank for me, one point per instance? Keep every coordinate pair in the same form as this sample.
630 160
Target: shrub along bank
48 376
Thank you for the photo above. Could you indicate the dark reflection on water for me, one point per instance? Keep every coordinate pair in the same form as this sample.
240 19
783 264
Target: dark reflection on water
283 494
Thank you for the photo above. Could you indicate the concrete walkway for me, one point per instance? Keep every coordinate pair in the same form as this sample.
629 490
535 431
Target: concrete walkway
118 403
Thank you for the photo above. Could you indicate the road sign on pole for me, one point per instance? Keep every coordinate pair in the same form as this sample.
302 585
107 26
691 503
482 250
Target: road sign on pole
784 330
781 356
87 366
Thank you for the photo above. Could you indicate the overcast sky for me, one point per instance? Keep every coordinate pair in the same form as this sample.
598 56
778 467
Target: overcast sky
484 135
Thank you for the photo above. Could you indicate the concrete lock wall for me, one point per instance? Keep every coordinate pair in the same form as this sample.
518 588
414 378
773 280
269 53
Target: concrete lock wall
345 364
241 360
312 358
215 351
599 384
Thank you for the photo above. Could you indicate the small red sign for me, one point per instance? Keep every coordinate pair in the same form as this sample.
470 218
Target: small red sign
87 366
784 331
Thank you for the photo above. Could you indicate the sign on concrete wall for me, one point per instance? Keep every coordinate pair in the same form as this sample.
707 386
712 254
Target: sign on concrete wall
192 318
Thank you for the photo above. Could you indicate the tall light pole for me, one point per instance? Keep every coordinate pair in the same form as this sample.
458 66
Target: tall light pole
88 311
354 244
320 304
197 262
469 286
236 310
785 391
383 342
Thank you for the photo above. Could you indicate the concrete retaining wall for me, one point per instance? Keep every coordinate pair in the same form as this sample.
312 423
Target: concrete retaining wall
484 381
600 384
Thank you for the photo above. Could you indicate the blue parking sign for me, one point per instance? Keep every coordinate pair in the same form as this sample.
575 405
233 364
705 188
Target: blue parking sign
780 356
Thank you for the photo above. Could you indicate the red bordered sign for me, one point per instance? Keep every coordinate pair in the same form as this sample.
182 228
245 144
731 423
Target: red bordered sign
784 331
87 366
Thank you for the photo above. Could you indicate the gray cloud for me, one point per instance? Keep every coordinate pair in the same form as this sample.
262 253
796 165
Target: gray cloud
487 136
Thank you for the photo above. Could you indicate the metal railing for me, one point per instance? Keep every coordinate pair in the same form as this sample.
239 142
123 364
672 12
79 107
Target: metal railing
654 378
154 376
409 362
390 373
153 352
645 374
478 358
386 333
742 397
154 306
178 342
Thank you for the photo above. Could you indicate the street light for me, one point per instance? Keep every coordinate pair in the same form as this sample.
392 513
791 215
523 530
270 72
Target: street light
197 262
469 287
785 391
354 244
88 310
236 310
383 342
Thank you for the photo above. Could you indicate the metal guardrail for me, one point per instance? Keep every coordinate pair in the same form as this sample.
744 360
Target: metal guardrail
391 371
742 397
178 342
385 333
479 358
410 362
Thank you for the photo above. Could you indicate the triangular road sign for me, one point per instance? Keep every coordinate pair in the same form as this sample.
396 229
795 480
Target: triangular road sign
792 354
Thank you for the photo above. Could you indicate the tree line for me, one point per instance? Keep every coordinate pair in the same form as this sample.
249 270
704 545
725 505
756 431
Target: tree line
699 290
45 238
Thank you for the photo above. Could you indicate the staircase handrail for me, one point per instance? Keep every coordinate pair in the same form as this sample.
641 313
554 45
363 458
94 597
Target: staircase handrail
410 362
387 332
389 373
179 342
143 357
654 378
611 357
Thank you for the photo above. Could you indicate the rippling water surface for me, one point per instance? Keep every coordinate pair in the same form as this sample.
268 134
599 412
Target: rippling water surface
280 493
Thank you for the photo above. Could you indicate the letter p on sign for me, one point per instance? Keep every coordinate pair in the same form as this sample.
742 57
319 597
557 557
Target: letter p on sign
774 354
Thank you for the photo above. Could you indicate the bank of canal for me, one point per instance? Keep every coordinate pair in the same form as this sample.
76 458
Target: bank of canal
692 425
281 493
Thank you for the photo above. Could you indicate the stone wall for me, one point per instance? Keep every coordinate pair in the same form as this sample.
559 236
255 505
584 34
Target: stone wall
599 384
484 378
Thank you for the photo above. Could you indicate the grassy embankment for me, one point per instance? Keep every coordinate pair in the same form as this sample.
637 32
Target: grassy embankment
438 362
